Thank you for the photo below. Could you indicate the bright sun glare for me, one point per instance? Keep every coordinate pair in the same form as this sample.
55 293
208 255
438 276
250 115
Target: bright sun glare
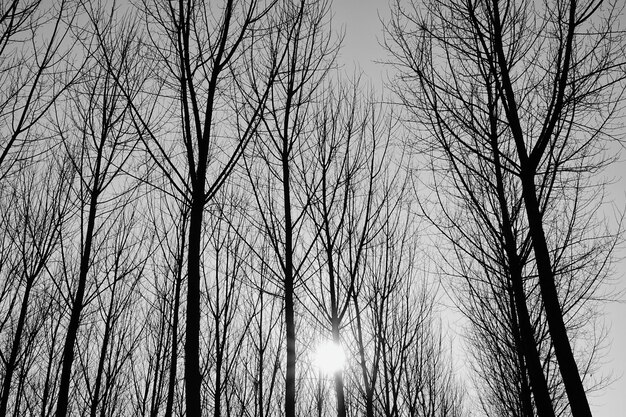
329 358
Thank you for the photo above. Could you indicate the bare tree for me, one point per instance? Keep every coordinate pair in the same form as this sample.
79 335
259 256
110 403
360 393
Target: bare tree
518 91
402 365
98 138
196 90
175 256
113 334
284 153
353 151
38 206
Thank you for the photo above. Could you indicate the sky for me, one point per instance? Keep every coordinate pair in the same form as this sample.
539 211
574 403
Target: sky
360 20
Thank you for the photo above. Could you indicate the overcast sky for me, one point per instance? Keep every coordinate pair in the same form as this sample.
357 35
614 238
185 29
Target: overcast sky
361 49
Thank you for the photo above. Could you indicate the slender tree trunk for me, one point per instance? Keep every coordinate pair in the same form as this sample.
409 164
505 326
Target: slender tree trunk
528 344
77 305
217 395
46 408
261 353
103 349
334 313
367 384
20 393
525 392
169 405
339 388
525 389
15 347
319 399
554 315
290 374
290 326
537 378
158 372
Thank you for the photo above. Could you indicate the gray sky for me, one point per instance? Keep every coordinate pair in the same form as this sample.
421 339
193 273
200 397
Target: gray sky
363 30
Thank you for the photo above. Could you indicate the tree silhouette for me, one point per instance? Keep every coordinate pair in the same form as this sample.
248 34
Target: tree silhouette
508 97
196 197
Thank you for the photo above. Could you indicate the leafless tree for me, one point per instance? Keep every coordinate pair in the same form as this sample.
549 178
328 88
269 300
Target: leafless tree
281 158
262 364
352 146
38 204
205 84
113 335
402 365
93 122
518 91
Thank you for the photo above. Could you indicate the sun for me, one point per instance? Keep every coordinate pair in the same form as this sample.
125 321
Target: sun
329 358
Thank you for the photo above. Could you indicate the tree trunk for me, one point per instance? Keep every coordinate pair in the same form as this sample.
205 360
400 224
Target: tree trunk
290 326
339 389
103 349
537 378
11 363
219 359
77 305
554 315
528 344
368 386
174 356
525 390
193 378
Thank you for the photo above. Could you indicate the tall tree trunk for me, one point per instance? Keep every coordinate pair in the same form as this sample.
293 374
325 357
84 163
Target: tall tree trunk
103 350
46 409
334 309
339 388
77 305
368 386
528 163
338 376
159 369
528 344
193 378
537 378
525 392
290 326
554 315
15 347
219 358
169 405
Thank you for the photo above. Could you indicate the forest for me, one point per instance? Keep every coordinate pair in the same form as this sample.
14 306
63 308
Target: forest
203 213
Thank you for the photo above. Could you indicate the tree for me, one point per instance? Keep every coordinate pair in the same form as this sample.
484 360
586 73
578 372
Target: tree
113 334
402 367
352 147
519 92
205 84
283 151
98 139
38 205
